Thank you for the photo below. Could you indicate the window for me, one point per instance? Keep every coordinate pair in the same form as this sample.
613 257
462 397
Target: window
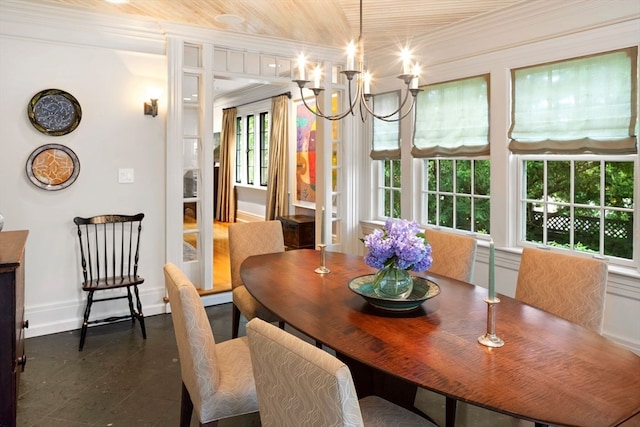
252 149
584 205
251 137
389 189
264 148
452 136
456 194
239 140
386 153
585 107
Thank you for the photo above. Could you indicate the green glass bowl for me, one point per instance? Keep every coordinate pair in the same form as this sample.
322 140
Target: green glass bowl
423 289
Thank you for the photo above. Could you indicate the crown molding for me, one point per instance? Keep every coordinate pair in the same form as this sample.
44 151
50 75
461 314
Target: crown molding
521 24
283 48
23 20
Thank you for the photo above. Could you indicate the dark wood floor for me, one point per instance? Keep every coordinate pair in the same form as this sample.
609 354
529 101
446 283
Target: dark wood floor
122 380
119 379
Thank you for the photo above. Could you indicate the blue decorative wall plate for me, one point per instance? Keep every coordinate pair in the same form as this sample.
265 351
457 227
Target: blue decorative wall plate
54 112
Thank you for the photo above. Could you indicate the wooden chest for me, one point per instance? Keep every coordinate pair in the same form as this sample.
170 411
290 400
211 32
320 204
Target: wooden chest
299 231
12 323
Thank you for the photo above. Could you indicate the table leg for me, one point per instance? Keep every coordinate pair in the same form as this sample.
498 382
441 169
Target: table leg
450 408
369 381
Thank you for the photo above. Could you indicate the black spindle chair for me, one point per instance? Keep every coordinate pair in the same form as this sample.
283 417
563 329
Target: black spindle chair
109 251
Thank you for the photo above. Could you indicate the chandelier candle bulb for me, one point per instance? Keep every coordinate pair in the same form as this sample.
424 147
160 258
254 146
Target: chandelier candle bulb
492 268
416 76
406 62
367 83
301 66
351 54
316 76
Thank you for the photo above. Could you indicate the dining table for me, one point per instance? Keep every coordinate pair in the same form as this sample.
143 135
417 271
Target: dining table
549 370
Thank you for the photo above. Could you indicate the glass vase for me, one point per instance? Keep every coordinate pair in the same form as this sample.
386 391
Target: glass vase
393 283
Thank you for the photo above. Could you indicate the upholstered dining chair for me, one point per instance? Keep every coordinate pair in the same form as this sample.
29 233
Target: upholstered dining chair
217 378
245 240
301 385
568 286
454 255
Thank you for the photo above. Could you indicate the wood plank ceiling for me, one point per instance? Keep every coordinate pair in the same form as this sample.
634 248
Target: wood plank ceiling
386 23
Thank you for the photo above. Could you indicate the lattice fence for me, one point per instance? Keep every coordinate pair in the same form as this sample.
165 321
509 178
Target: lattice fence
617 234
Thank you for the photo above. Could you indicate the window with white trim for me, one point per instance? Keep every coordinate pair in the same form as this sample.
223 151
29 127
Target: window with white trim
252 148
456 194
389 189
452 136
386 157
264 149
574 131
239 144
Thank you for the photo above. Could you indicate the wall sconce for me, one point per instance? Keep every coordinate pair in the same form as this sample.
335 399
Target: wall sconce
151 109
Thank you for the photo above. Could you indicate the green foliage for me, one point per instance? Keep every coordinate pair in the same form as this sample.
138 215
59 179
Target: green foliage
587 217
467 179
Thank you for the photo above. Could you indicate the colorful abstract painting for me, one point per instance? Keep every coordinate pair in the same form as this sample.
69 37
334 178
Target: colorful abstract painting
305 191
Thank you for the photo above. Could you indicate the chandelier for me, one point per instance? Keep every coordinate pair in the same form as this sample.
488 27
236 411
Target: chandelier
361 79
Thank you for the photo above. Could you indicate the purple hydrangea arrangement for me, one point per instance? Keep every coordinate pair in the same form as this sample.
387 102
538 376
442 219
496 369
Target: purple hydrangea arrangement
400 244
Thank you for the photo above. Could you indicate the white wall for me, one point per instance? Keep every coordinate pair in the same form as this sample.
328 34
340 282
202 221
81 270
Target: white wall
110 85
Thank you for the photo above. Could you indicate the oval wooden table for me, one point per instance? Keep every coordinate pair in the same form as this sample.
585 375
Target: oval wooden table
549 370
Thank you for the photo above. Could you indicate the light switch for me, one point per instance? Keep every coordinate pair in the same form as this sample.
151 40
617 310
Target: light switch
125 176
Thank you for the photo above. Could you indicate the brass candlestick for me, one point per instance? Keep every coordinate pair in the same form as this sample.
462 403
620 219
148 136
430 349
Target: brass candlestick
490 339
322 269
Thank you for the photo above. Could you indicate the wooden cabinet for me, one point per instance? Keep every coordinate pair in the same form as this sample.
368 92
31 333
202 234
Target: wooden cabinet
12 324
299 231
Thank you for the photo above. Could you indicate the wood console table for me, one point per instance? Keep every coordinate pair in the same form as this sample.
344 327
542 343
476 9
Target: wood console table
12 324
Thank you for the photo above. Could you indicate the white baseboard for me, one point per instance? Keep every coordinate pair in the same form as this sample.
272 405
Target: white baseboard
631 345
62 317
248 217
216 299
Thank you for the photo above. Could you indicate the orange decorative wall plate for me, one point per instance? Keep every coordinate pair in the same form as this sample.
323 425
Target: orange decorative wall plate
53 167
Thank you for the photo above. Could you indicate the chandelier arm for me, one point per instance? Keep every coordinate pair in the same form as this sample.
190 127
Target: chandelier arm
385 118
304 101
397 111
362 115
318 112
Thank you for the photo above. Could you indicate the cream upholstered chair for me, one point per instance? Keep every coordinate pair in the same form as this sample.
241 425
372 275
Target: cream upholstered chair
453 254
301 385
568 286
245 240
217 379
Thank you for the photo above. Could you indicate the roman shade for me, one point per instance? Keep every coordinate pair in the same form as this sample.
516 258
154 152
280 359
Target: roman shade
452 119
386 135
583 105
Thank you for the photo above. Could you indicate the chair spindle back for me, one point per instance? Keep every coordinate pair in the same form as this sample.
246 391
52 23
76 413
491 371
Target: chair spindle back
109 247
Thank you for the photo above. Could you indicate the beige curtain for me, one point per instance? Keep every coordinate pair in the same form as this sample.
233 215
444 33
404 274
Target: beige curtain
226 199
277 186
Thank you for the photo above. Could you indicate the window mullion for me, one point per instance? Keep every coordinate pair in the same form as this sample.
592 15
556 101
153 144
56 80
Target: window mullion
545 202
603 212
